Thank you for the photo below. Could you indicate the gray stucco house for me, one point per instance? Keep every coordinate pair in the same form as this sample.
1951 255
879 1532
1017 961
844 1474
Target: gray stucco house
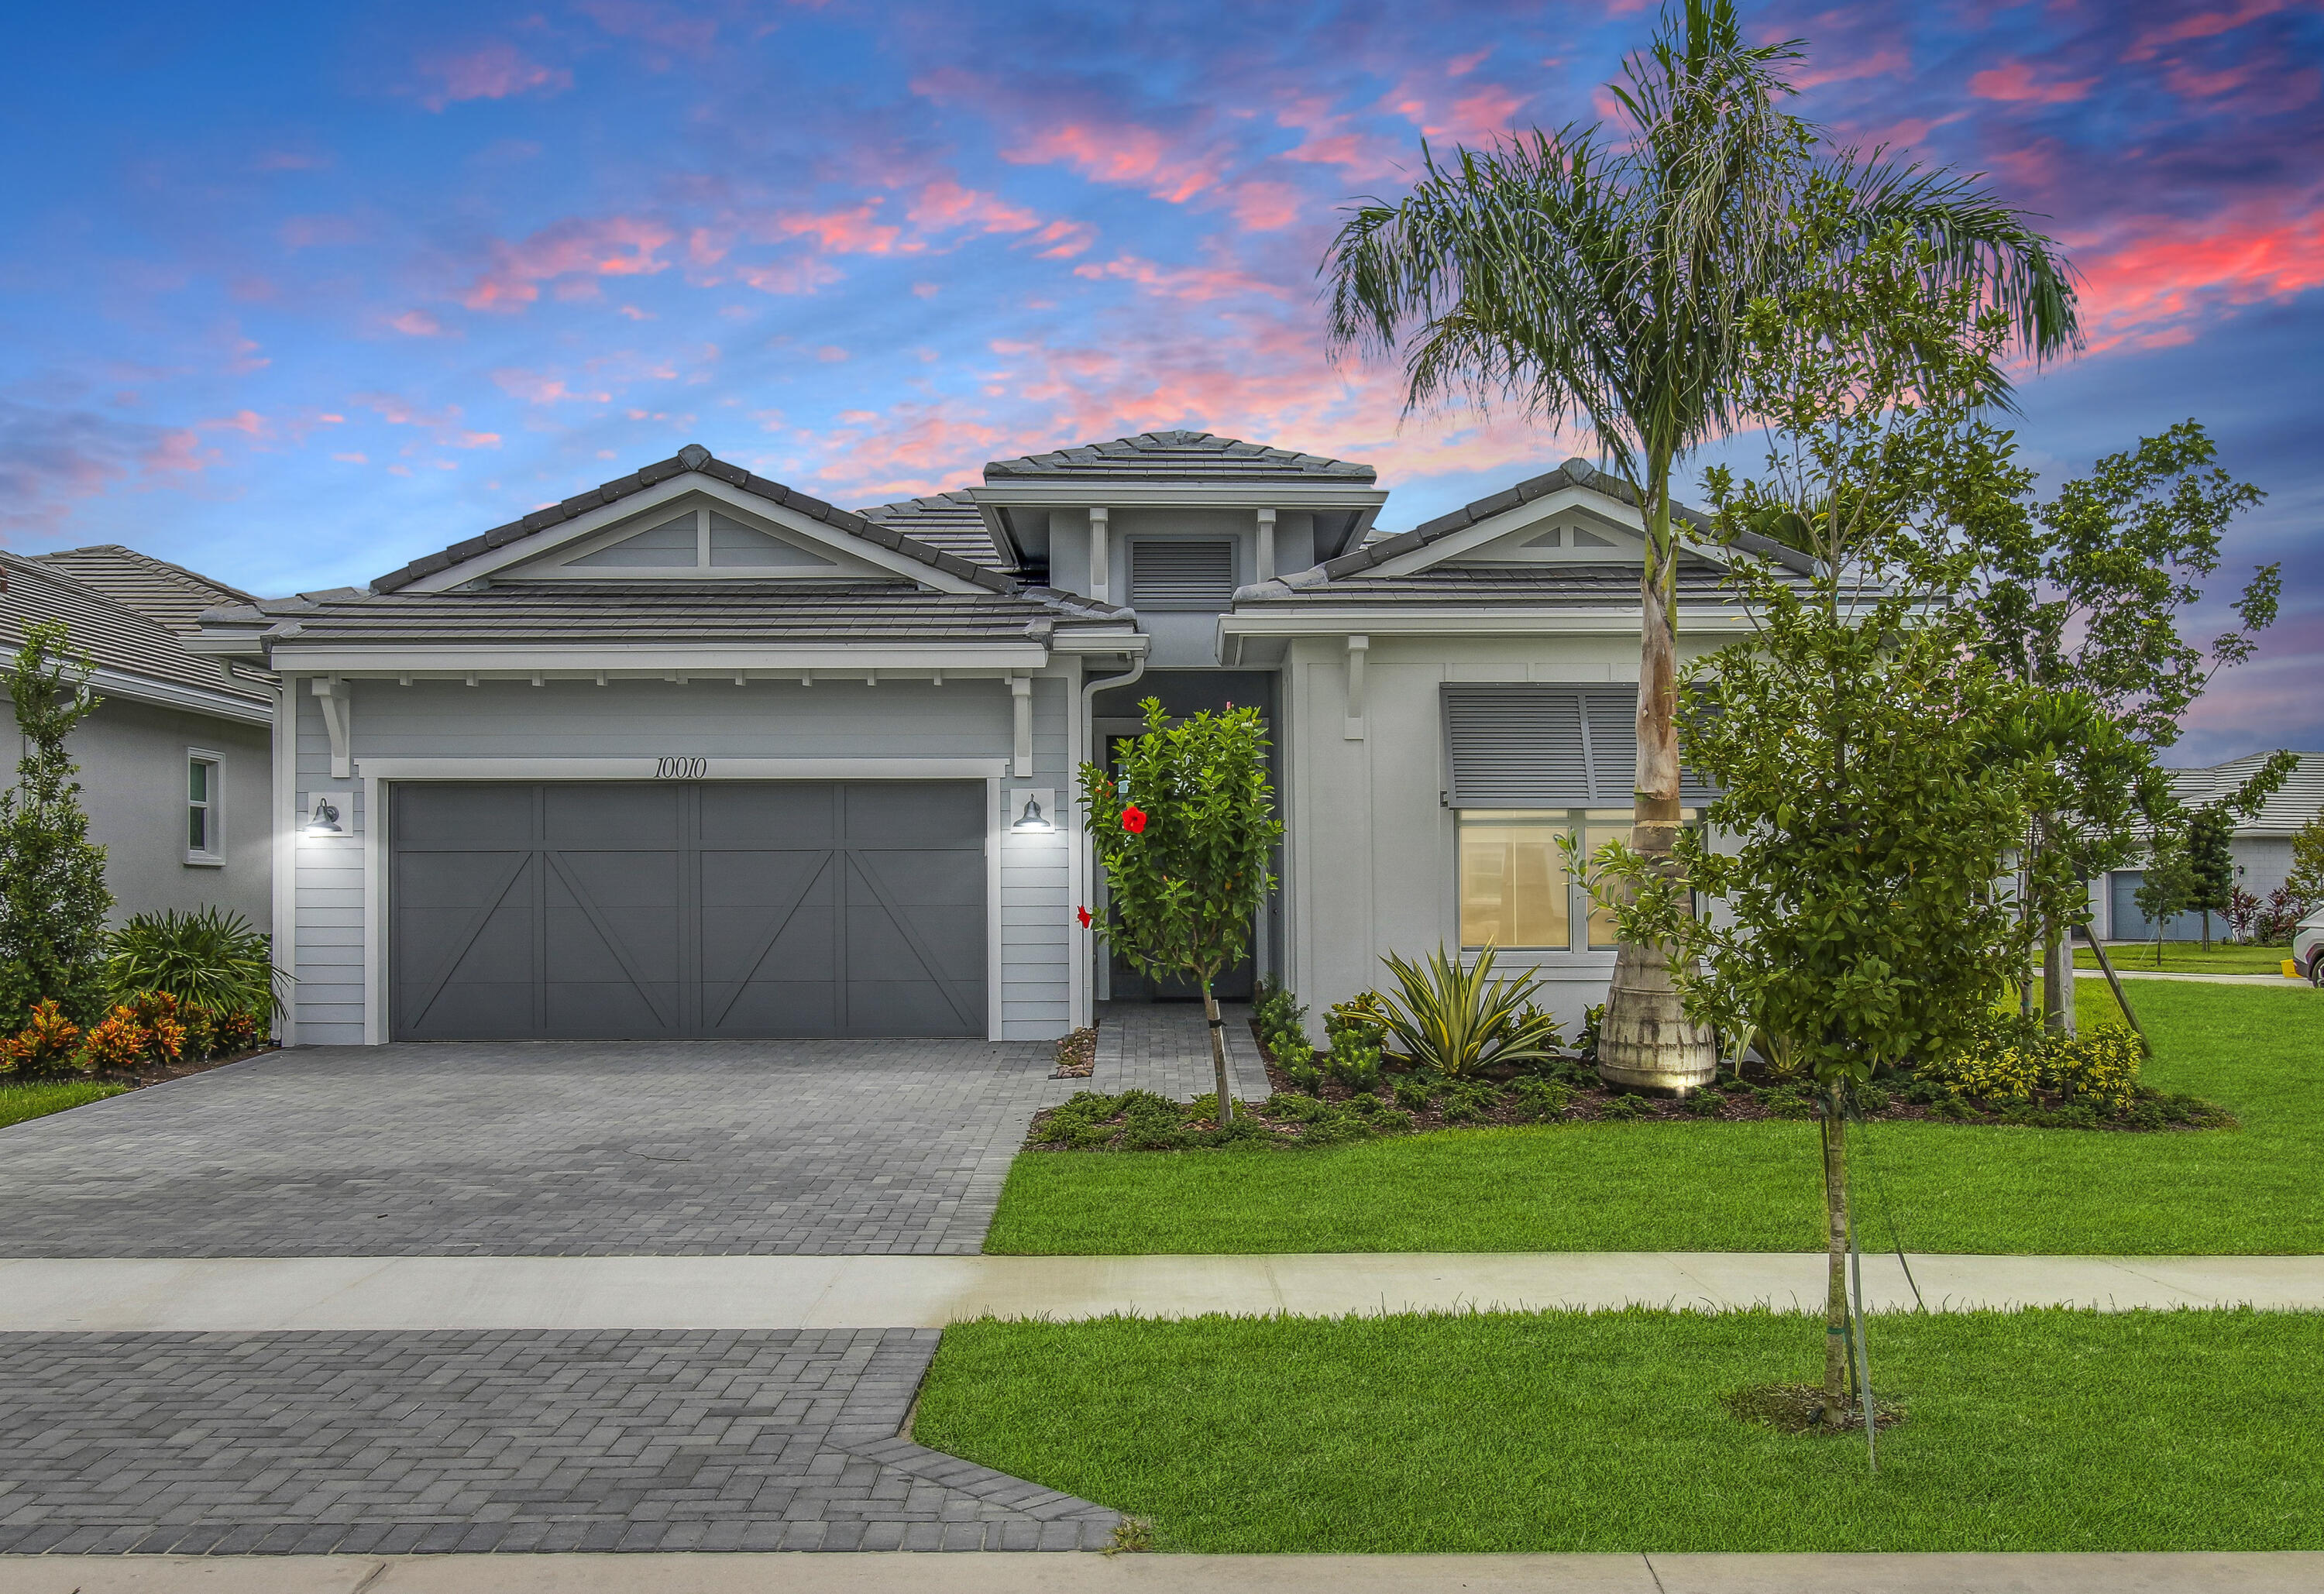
694 754
176 764
2261 850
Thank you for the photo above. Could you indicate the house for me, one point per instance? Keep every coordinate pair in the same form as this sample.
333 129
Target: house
692 754
2262 850
176 764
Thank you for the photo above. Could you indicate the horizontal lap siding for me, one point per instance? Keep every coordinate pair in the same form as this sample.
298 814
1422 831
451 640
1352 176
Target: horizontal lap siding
1036 887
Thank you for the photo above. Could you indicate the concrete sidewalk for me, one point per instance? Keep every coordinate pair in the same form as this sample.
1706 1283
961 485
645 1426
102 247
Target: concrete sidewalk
274 1293
2194 979
2284 1573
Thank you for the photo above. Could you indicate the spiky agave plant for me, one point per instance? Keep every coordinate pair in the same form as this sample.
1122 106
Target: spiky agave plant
1458 1021
206 958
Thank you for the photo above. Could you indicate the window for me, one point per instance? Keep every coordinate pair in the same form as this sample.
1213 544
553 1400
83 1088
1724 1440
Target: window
1515 890
204 846
1181 572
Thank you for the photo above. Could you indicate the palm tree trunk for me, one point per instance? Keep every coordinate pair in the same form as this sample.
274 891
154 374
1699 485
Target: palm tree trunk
1647 1041
1835 1326
1218 1054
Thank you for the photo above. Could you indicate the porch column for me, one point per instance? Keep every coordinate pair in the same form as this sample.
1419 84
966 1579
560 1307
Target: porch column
1265 545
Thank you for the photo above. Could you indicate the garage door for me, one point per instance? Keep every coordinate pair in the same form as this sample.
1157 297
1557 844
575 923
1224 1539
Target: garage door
673 909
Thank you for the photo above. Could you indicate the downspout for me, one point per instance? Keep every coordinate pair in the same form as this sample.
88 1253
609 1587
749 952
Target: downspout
1084 942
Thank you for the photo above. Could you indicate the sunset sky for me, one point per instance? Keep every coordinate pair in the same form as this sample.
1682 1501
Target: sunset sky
293 294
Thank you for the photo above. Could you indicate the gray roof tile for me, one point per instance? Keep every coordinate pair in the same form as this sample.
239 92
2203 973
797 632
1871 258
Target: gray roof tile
112 634
170 594
1181 455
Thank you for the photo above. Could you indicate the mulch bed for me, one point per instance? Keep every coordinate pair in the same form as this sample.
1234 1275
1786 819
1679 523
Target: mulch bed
1798 1408
1077 1055
163 1075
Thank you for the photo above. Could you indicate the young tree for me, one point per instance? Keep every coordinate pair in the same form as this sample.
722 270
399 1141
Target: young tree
1601 277
1873 773
1184 837
2306 880
2211 862
2167 889
53 902
2086 593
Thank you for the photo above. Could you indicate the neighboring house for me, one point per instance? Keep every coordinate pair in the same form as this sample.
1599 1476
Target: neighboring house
2263 845
176 762
694 754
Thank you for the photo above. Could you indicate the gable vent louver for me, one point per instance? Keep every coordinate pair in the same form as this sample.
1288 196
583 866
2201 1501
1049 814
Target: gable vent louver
1182 573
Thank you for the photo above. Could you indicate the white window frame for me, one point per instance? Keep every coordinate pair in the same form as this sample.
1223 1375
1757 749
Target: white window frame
213 807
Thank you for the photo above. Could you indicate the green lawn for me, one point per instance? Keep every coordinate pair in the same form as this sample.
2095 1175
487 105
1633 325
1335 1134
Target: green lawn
2039 1431
1733 1187
2187 957
38 1099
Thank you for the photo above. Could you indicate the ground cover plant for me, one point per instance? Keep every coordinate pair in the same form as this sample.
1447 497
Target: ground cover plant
1990 1188
1609 1432
38 1098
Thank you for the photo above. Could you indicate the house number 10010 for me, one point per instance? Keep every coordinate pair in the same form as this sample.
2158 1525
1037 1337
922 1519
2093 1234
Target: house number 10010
681 769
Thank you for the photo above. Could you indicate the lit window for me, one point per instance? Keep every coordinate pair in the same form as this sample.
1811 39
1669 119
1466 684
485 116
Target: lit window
1515 890
203 843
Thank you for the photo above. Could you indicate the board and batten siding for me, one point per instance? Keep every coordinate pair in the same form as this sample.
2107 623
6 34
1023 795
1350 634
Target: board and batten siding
894 719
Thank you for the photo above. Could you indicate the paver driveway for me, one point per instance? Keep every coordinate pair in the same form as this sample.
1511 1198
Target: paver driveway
534 1149
514 1440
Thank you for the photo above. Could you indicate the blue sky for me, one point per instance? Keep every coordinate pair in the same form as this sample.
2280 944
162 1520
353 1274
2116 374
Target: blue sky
291 294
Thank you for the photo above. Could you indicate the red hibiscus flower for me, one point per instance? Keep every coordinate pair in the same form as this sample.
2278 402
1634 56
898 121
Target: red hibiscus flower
1082 914
1133 820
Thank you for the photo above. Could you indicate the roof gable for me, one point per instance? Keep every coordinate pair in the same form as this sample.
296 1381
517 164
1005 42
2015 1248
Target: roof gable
693 538
128 648
1179 456
170 595
693 469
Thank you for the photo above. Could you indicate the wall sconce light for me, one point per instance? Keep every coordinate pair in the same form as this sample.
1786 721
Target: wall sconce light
324 819
1032 821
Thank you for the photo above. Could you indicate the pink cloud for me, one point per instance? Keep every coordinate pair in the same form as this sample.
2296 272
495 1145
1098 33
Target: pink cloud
1263 207
804 275
1329 142
248 422
535 388
2157 275
845 231
416 324
2013 81
615 246
492 71
1188 282
1120 152
1478 116
665 25
944 204
2203 24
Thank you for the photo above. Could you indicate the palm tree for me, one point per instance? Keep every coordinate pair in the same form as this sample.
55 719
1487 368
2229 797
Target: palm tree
1579 275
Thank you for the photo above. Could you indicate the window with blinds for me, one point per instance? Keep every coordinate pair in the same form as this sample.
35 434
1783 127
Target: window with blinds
1522 746
1180 574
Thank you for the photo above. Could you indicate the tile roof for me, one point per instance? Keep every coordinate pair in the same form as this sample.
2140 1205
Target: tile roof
114 637
1179 456
693 456
2297 801
666 611
171 594
950 522
1573 473
1558 585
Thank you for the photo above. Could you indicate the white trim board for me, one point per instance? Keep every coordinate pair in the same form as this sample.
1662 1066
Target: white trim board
712 768
624 663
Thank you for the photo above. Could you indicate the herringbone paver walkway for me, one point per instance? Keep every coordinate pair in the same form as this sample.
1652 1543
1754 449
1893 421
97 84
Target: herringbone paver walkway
317 1443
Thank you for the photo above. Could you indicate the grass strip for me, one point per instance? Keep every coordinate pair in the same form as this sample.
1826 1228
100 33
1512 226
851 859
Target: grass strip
38 1098
2187 957
2046 1430
1752 1187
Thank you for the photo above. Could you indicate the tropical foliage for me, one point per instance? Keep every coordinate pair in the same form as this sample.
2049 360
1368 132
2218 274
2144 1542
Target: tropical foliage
1601 276
53 900
206 958
1185 833
1457 1019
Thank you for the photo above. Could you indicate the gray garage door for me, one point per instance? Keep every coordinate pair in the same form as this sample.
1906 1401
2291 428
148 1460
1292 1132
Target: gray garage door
653 909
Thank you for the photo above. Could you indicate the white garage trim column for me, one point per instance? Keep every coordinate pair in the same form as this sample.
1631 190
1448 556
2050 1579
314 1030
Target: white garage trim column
284 921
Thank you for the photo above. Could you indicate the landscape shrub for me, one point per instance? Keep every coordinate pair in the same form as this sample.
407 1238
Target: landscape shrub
1704 1103
1787 1102
1468 1102
156 1012
238 1031
1352 1062
2102 1065
115 1043
1622 1110
1459 1020
46 1047
206 958
1413 1090
1540 1100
